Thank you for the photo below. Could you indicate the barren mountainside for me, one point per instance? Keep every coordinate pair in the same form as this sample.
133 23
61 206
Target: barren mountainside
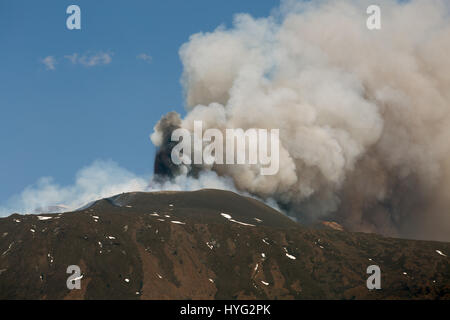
207 244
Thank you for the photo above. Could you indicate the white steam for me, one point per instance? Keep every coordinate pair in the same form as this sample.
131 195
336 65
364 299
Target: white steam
99 180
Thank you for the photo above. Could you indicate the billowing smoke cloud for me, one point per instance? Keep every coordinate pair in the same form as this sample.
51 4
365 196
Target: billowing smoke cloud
363 115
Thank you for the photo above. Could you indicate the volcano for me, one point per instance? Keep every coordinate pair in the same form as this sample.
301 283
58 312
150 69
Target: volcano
207 244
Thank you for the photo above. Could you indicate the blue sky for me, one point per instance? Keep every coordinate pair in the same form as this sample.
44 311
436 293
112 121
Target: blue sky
55 121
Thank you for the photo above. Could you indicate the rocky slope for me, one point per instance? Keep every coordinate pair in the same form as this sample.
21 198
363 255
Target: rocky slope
207 244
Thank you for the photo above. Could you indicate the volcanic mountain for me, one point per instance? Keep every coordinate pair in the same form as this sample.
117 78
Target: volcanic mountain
207 244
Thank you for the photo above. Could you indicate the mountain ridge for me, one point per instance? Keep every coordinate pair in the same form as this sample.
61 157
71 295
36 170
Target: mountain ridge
207 244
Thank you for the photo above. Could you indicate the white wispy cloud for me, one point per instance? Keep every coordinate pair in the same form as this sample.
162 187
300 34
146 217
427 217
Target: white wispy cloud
99 180
144 57
72 57
49 62
90 59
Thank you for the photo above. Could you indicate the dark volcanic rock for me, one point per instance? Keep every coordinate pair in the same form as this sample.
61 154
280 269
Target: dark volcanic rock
207 244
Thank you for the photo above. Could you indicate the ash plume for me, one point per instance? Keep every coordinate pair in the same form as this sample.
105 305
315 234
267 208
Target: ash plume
363 115
163 167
